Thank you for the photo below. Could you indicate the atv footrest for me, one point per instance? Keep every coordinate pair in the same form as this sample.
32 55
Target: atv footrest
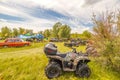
68 69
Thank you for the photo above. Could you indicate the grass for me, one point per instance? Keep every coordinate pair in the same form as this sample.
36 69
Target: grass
28 63
11 49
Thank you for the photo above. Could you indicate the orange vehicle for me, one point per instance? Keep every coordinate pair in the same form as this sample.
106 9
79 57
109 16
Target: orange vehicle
14 42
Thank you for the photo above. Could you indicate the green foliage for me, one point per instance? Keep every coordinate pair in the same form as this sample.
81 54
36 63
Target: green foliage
87 34
21 30
47 33
15 32
76 35
107 38
0 34
5 32
28 30
61 31
64 31
56 29
8 32
41 32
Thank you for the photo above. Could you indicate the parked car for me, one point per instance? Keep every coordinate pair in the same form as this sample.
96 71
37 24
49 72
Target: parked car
65 39
14 42
58 40
75 42
72 43
54 40
33 39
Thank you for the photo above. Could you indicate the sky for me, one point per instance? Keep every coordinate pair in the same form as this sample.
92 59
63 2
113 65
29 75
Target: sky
43 14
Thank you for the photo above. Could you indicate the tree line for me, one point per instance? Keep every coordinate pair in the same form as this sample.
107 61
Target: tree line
58 31
64 31
7 32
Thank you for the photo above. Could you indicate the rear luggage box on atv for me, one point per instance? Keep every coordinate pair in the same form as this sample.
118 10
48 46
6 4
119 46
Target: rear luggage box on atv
49 50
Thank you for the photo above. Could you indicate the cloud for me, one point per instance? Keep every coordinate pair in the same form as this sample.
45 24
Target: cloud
42 14
3 20
91 2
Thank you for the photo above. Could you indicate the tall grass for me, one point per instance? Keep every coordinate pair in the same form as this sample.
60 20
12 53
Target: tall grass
29 64
11 49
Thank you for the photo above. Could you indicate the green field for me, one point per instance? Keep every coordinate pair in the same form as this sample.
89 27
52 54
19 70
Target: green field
28 63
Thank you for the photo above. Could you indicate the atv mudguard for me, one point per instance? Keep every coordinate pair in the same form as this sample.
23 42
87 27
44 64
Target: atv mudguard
81 59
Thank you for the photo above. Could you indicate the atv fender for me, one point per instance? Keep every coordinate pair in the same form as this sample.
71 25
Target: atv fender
81 59
52 60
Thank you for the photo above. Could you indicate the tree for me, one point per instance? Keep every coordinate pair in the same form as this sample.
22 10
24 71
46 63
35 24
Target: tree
56 29
41 32
87 34
47 33
22 31
0 34
64 31
15 32
5 32
29 31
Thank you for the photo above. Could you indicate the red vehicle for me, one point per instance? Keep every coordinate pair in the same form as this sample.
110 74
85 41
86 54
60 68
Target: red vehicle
14 42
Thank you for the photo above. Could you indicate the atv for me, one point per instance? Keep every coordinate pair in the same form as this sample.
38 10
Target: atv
70 61
75 43
71 44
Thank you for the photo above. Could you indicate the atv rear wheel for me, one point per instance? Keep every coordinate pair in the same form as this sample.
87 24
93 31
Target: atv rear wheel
83 71
53 70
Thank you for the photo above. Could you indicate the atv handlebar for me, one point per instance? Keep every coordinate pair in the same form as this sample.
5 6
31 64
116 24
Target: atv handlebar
74 50
80 53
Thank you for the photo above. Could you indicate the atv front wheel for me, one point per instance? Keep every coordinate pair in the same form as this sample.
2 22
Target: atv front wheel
83 71
53 70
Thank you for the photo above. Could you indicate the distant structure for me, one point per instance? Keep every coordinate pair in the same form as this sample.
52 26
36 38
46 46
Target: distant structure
29 36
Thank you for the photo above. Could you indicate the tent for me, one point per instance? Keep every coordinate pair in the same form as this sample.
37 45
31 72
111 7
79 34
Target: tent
28 35
24 37
39 36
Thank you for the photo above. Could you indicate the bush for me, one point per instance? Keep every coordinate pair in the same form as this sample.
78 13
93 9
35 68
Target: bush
107 39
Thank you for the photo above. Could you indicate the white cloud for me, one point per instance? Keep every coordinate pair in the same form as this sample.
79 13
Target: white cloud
77 9
65 7
31 22
3 20
36 25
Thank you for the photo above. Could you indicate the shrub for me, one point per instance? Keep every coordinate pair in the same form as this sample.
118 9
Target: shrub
107 38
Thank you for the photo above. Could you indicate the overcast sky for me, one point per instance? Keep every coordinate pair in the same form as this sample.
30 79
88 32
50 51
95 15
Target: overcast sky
43 14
